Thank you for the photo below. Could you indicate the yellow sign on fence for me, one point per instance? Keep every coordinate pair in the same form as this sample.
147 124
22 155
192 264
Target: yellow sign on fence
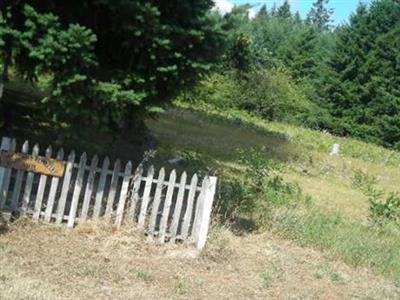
36 164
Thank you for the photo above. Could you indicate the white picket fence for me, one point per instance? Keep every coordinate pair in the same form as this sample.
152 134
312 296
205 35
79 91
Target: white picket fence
166 209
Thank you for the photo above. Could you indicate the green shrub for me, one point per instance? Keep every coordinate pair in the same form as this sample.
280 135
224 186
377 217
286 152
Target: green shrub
385 211
258 190
216 89
269 93
382 210
363 181
273 95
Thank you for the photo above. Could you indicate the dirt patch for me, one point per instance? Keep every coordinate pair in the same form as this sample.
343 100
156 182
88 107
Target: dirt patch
39 261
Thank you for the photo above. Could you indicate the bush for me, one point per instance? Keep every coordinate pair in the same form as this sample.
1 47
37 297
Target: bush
381 210
271 94
363 181
260 189
387 211
216 89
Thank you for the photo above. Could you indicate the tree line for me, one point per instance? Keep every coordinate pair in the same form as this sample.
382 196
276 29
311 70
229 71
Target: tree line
115 63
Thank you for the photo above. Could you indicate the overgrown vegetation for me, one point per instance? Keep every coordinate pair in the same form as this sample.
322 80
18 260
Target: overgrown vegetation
241 120
259 189
305 72
107 64
281 179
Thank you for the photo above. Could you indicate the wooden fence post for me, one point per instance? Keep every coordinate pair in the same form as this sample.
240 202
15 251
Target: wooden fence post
167 206
65 188
28 184
77 191
203 214
146 197
53 191
124 193
18 181
134 197
40 190
5 146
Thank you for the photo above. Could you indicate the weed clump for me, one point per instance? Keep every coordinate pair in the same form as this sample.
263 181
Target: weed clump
260 188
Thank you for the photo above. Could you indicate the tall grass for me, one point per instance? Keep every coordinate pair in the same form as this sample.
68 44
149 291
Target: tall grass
376 247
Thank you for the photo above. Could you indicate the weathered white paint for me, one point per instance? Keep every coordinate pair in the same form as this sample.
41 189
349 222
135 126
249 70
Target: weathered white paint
167 207
178 207
134 197
53 190
157 201
205 213
146 197
89 188
113 188
18 181
123 195
28 184
100 188
65 188
77 191
189 207
5 173
41 187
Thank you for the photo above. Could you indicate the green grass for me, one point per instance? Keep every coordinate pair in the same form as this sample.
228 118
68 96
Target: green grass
358 244
337 221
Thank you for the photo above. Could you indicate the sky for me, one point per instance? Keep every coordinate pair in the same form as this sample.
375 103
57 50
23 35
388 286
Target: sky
342 8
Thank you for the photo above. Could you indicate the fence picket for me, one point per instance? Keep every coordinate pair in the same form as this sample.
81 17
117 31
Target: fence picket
65 187
178 207
146 197
53 190
28 184
113 188
134 199
77 191
189 207
157 200
100 188
89 188
6 179
5 146
123 194
18 181
167 206
199 207
40 191
204 217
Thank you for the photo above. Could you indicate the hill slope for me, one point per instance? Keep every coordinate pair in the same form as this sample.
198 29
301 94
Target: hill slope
48 262
333 253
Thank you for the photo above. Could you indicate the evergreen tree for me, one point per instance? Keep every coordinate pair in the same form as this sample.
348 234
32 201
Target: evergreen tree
284 10
126 59
320 15
274 10
362 84
263 12
297 17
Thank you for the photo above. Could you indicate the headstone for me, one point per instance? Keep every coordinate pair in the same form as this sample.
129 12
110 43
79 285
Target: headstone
335 150
175 161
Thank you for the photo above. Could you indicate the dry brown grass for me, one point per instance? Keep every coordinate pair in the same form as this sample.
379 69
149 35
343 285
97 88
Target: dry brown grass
41 261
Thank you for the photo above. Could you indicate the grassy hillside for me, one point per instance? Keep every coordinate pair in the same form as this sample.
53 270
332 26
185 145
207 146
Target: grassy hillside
335 214
210 139
313 224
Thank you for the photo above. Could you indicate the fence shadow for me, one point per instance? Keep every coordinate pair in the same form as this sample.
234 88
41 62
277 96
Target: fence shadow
3 225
